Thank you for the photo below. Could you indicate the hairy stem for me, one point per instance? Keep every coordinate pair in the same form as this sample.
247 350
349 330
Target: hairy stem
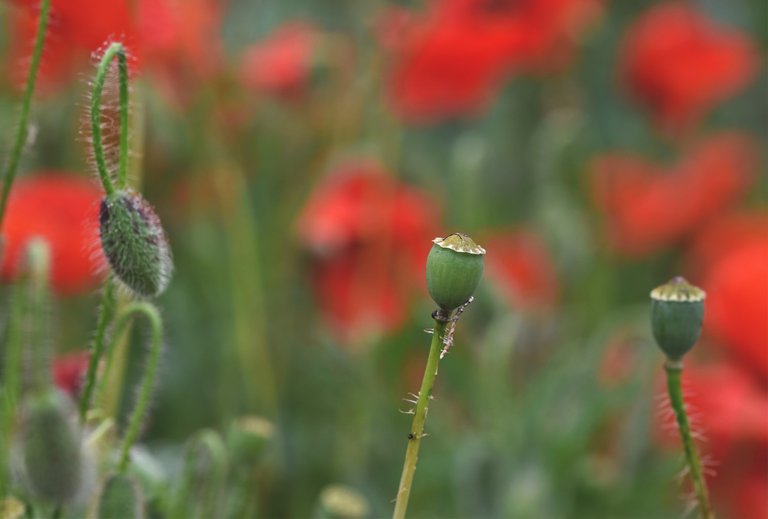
22 131
420 416
152 315
674 386
114 50
106 313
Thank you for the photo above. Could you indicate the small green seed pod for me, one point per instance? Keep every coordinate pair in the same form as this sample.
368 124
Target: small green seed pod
50 448
342 502
677 313
121 498
248 438
134 243
454 269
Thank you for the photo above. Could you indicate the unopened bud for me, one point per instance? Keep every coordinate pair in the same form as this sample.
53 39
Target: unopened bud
51 450
134 243
121 498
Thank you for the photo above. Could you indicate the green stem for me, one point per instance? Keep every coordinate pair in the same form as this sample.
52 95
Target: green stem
11 379
35 331
148 381
106 313
674 386
420 416
23 128
114 50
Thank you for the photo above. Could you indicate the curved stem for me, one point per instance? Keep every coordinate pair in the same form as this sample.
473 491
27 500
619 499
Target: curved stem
148 381
106 313
420 416
674 370
114 50
23 128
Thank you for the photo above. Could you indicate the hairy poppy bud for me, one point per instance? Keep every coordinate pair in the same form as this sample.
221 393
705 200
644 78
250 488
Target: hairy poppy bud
134 243
677 313
51 451
454 269
122 498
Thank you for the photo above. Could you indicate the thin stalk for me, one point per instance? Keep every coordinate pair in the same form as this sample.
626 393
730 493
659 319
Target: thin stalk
152 315
114 50
106 314
22 130
11 382
420 416
674 386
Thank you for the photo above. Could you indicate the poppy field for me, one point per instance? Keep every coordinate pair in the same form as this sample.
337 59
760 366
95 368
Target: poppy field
427 259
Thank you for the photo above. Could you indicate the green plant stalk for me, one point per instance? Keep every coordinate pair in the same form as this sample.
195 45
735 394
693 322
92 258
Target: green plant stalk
674 386
420 416
106 314
23 128
114 50
11 384
249 310
150 373
109 388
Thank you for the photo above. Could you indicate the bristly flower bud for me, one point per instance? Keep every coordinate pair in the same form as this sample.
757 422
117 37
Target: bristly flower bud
50 450
134 243
121 497
677 313
454 269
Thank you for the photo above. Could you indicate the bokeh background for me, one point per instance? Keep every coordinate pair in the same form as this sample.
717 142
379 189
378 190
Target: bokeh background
302 155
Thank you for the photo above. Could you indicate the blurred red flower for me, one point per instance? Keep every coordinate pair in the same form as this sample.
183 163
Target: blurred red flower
725 234
281 64
172 37
521 267
450 60
679 64
737 303
369 236
62 208
69 370
647 207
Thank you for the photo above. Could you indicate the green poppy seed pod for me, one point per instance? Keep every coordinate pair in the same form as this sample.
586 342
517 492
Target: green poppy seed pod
51 450
134 243
342 502
121 498
677 313
247 439
454 269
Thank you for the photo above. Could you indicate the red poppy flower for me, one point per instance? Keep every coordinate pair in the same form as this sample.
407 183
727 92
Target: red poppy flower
281 65
76 28
171 38
521 267
369 235
451 60
69 370
179 43
679 64
723 235
737 302
62 209
647 207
